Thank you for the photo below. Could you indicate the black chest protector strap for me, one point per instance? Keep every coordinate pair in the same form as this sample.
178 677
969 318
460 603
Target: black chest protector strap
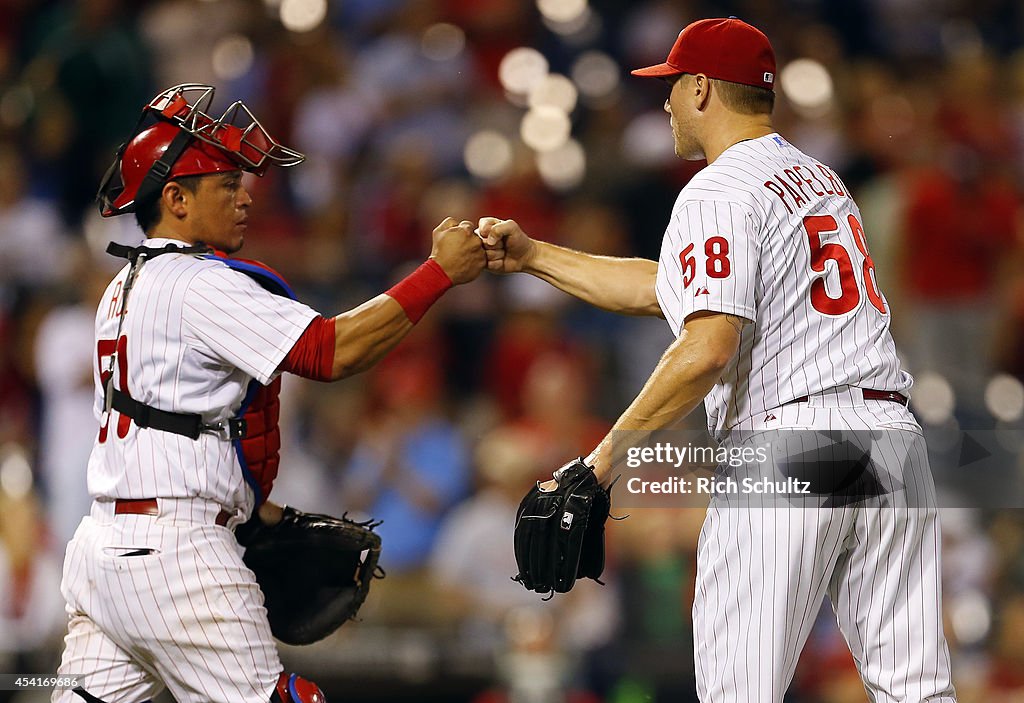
134 254
189 425
186 424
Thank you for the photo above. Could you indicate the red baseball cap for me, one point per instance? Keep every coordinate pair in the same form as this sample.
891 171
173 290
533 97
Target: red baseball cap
726 49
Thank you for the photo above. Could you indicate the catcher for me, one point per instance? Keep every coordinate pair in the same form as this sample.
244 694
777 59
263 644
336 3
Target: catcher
190 347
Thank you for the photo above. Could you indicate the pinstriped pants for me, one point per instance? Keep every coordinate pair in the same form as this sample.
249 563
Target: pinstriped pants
187 614
764 567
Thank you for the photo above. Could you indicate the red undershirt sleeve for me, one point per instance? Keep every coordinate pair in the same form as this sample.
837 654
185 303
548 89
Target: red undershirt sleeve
312 356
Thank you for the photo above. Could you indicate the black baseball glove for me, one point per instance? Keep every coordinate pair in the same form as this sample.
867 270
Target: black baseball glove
314 570
559 534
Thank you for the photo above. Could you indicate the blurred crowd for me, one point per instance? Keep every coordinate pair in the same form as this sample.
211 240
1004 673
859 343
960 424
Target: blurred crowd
918 104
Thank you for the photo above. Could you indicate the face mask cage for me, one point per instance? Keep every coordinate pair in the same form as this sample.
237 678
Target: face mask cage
237 133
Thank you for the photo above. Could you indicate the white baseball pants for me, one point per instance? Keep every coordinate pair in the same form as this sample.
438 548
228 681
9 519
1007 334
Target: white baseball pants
164 600
762 573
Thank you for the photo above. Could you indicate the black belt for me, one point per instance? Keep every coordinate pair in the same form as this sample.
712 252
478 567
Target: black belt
869 394
185 424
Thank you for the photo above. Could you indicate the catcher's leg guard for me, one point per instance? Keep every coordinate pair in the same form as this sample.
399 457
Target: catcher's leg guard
292 688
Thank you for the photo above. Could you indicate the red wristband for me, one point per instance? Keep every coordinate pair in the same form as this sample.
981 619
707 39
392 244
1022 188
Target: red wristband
420 289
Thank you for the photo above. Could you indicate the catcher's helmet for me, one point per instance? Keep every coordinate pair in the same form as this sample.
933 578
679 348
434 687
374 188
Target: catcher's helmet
176 137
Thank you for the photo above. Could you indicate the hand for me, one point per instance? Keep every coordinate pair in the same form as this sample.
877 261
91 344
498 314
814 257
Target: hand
556 476
458 250
602 472
270 513
508 248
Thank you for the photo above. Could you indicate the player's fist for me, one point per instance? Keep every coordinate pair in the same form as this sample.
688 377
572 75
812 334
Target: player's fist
508 247
458 250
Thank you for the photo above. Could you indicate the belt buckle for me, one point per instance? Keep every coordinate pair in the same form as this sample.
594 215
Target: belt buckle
234 428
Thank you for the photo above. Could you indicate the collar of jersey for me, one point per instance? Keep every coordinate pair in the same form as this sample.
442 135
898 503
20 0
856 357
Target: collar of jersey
156 242
754 139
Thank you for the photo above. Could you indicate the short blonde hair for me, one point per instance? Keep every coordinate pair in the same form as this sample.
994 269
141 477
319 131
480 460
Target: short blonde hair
745 99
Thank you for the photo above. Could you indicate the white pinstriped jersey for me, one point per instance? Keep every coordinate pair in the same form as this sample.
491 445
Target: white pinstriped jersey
196 333
769 234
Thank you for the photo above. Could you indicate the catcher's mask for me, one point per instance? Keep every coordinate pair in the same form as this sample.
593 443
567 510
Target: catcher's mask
177 137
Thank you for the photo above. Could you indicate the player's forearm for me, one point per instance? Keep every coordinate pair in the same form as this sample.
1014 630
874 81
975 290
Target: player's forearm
681 380
365 334
687 371
619 285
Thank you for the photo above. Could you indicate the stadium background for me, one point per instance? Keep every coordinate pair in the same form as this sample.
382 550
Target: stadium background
410 110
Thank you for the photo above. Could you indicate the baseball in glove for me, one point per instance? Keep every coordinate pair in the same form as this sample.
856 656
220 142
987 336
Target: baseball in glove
559 535
314 571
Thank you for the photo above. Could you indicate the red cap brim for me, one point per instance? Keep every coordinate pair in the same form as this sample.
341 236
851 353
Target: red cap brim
659 71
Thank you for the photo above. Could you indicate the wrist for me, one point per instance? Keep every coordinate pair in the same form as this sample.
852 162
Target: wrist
599 461
421 289
530 258
432 260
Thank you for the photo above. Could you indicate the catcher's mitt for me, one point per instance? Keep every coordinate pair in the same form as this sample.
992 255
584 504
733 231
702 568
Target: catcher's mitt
314 570
559 534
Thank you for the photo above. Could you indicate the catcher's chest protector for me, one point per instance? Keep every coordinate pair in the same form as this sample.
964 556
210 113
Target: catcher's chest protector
257 441
259 452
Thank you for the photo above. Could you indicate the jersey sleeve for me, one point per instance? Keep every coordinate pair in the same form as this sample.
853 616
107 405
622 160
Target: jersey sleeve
708 261
242 324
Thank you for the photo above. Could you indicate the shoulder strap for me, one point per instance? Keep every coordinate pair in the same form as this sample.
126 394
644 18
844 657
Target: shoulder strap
137 256
123 251
267 277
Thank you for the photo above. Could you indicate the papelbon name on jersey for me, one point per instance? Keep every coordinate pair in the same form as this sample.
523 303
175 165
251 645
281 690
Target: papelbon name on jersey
822 183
